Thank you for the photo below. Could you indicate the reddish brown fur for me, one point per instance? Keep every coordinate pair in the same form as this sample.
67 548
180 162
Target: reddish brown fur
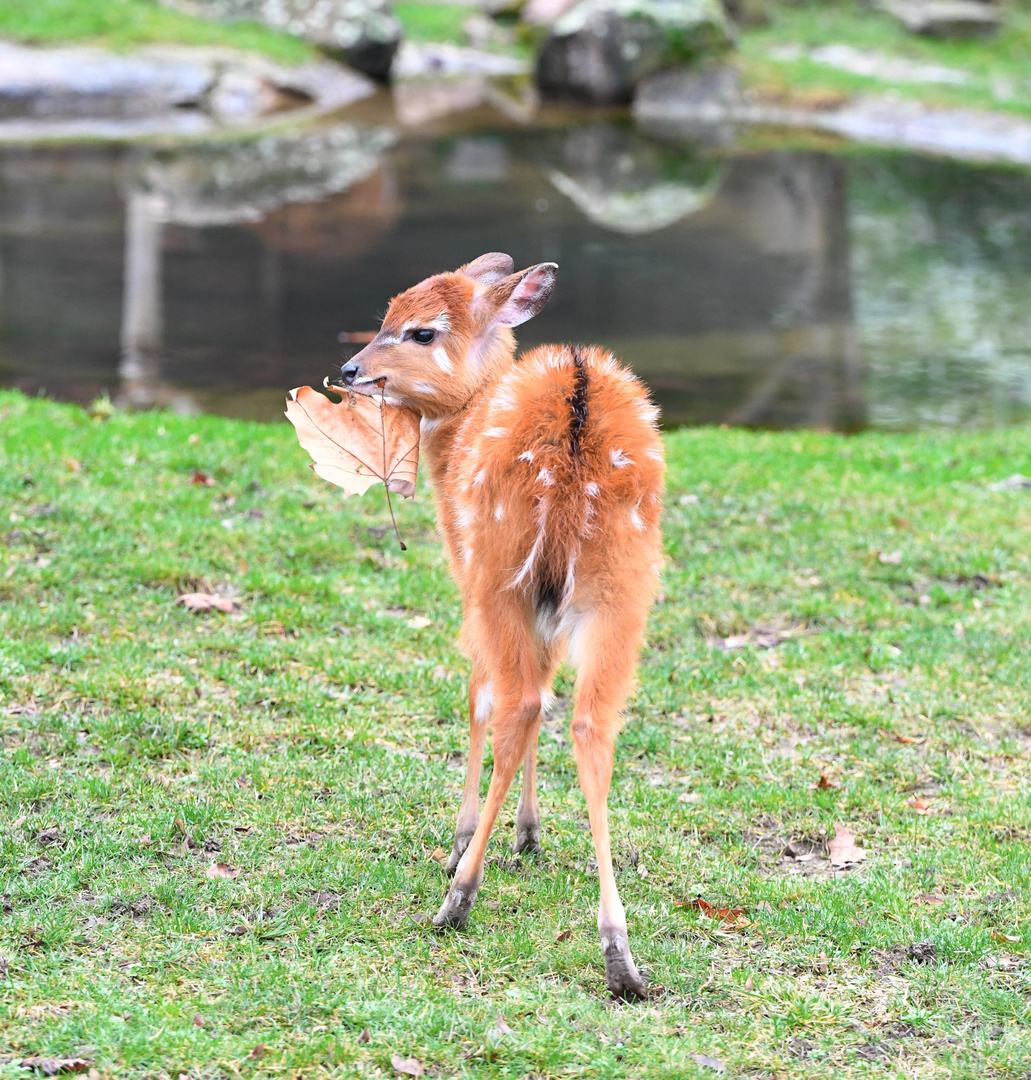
552 530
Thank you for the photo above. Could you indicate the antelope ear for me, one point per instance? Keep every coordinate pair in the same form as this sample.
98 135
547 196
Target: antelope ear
520 296
488 268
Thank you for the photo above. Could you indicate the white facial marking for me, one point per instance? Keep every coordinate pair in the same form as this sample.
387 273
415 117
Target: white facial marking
443 360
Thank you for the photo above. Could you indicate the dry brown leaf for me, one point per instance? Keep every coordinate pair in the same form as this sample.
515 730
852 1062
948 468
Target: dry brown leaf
998 935
407 1066
438 854
823 784
220 870
52 1066
200 601
732 918
357 442
203 479
919 804
198 1020
842 848
366 1036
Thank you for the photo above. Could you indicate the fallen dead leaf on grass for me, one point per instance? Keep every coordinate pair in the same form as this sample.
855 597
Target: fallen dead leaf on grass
49 1066
998 935
710 1062
219 870
438 854
407 1066
842 847
199 601
919 804
823 784
729 917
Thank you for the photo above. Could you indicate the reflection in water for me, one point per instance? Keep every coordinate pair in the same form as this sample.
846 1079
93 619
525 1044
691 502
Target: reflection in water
216 276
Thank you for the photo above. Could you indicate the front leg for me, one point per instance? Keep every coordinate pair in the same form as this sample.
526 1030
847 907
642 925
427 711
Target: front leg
481 704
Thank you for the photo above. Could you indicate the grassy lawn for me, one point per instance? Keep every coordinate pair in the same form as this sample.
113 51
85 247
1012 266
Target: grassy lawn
124 24
875 593
998 67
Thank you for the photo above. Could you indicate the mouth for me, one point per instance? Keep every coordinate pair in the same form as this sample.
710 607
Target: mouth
369 386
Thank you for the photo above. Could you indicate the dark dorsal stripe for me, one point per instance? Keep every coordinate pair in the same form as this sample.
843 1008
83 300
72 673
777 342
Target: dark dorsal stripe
578 401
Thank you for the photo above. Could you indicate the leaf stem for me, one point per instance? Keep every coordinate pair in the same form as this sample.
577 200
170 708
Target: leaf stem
386 486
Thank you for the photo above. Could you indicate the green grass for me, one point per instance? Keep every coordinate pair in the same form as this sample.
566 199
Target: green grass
424 21
124 24
998 66
313 741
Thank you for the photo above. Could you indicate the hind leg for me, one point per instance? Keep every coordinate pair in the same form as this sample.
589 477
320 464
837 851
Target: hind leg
481 703
515 718
606 656
528 814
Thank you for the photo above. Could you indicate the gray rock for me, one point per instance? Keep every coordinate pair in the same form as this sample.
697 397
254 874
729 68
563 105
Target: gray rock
362 32
75 92
599 50
944 18
41 84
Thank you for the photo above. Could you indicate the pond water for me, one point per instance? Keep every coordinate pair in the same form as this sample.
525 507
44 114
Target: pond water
772 288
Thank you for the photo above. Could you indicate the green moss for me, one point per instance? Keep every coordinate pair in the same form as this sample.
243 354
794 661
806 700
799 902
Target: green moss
124 24
997 66
433 22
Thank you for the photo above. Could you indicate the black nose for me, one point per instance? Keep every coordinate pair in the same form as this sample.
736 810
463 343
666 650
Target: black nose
349 371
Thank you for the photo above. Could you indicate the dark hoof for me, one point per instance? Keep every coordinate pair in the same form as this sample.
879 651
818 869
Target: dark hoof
461 843
454 912
624 981
528 839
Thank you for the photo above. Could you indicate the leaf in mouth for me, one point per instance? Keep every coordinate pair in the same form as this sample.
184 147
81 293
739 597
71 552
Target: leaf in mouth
358 441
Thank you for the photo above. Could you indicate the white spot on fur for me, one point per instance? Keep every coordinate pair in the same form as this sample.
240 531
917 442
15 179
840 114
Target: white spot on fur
547 699
526 455
442 324
423 387
496 432
467 556
484 703
443 360
499 512
636 520
618 458
479 478
593 490
426 425
656 455
546 478
466 517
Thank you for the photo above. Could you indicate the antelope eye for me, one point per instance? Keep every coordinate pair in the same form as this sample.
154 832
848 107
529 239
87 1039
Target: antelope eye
423 337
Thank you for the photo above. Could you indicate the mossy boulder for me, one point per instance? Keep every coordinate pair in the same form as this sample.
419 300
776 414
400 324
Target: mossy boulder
599 50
